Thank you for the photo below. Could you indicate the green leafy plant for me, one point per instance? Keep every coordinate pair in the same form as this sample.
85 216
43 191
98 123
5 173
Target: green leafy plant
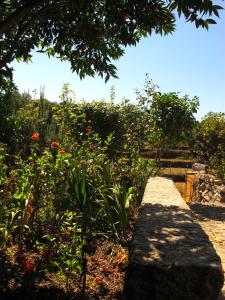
209 141
171 117
70 185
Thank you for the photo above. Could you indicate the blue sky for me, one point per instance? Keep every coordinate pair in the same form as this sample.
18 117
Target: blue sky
191 61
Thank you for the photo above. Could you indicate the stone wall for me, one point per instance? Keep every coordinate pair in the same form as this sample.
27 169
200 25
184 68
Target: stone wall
208 189
170 257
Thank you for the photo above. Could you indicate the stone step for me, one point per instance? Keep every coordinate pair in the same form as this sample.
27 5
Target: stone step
173 163
171 257
175 177
176 163
171 153
177 174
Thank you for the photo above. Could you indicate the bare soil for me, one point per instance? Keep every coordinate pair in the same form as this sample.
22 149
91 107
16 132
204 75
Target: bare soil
105 276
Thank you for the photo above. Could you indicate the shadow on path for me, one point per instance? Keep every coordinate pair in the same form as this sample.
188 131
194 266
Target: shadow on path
210 212
171 257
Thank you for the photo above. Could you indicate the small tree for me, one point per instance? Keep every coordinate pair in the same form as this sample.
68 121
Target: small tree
171 116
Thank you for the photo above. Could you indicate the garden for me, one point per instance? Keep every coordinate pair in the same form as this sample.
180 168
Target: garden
73 173
72 176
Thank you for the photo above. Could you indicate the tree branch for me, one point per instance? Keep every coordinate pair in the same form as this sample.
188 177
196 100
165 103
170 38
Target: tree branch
18 14
22 28
8 57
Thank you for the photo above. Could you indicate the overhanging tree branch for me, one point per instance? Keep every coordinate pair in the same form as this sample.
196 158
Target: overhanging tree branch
19 14
21 29
90 33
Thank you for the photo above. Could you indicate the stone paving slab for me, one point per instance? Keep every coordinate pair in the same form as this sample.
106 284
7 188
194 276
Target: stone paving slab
171 257
211 217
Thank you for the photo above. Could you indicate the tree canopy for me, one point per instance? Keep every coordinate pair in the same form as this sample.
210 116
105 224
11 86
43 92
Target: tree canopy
91 33
171 115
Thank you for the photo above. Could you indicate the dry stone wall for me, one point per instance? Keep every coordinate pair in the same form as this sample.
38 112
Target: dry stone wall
208 189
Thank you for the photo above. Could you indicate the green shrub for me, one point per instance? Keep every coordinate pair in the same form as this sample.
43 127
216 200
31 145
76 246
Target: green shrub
209 141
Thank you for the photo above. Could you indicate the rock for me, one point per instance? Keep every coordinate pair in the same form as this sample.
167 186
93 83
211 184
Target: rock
207 188
209 195
218 181
199 167
206 198
216 197
222 196
204 194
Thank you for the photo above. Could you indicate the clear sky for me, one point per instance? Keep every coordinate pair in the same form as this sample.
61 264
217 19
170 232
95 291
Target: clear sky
191 61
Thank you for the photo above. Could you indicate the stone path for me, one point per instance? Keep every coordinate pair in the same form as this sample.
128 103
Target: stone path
212 220
171 256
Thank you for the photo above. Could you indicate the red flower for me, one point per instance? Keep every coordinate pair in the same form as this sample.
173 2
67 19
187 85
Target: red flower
35 136
54 144
29 267
62 152
88 130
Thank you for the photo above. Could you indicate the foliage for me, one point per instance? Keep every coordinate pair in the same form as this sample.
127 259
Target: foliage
77 175
7 90
137 126
171 117
92 33
120 127
17 123
70 182
209 141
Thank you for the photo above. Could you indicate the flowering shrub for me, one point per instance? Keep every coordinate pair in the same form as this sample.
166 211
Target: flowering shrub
81 181
63 196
